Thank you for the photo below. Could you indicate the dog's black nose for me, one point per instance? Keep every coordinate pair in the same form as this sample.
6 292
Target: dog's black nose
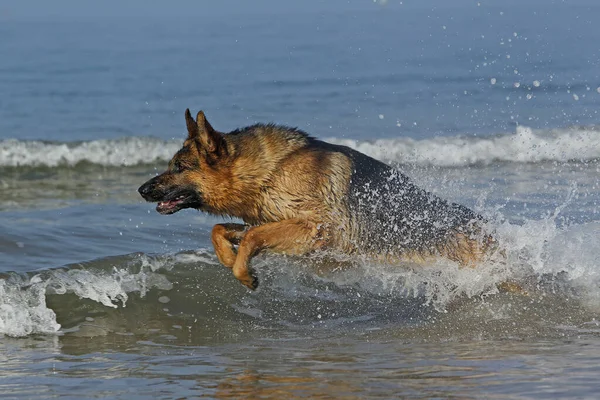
151 190
145 189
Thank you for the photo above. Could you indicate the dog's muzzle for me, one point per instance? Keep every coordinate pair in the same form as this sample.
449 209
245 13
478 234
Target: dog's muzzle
170 199
149 190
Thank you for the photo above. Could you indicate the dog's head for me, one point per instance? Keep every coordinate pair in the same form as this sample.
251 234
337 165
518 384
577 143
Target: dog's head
194 172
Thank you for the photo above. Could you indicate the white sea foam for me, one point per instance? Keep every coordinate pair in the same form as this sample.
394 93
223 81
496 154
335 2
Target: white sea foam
534 249
23 309
116 152
525 145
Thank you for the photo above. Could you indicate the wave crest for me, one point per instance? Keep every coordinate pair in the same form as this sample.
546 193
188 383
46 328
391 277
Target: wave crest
525 145
106 152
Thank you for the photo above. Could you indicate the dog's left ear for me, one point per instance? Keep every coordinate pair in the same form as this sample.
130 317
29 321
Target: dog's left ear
211 141
192 128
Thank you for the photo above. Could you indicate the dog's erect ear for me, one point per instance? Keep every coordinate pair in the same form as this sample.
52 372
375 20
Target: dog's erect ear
211 141
192 128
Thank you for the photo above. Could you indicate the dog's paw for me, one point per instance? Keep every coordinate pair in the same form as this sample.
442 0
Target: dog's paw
247 278
251 283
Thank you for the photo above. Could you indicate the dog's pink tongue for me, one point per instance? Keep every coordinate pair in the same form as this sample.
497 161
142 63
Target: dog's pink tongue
169 203
165 205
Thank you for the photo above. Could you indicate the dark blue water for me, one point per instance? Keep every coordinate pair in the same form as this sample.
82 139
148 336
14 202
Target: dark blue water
333 74
493 107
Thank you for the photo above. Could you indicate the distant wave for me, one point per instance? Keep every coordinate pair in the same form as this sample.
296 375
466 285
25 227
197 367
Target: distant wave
107 152
525 145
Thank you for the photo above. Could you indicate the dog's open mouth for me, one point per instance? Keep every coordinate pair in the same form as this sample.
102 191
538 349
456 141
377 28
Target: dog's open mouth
177 203
170 206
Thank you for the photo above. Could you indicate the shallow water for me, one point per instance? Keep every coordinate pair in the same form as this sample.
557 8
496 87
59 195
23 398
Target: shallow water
100 296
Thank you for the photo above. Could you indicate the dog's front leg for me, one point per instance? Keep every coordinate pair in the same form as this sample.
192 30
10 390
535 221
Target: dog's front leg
224 237
293 236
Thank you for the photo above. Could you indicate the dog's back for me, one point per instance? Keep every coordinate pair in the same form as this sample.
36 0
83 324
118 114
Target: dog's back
390 216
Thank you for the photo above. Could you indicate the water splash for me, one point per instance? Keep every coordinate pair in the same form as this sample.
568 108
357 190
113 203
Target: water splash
551 261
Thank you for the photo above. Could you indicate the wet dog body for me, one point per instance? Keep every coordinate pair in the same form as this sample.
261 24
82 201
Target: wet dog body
297 194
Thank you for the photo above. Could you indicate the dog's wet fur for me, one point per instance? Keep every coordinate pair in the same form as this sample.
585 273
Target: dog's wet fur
297 195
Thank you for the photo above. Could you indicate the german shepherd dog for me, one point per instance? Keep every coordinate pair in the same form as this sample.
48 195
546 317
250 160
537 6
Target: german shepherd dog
297 195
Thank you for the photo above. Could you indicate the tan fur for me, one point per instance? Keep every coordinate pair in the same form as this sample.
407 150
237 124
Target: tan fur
293 193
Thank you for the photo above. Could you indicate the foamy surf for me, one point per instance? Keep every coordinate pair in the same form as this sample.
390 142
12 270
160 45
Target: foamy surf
525 145
110 152
23 308
553 264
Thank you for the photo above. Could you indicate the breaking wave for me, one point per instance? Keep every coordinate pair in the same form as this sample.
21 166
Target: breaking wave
147 294
23 307
525 145
110 152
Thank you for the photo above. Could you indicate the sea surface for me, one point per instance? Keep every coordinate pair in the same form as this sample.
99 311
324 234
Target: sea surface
496 108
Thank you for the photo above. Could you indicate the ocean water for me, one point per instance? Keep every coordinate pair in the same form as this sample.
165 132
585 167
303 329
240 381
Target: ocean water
492 107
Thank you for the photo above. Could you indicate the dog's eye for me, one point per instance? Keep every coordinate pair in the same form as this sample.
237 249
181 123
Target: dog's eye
178 167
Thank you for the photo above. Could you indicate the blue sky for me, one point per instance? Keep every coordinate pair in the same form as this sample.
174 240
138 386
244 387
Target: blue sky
154 8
